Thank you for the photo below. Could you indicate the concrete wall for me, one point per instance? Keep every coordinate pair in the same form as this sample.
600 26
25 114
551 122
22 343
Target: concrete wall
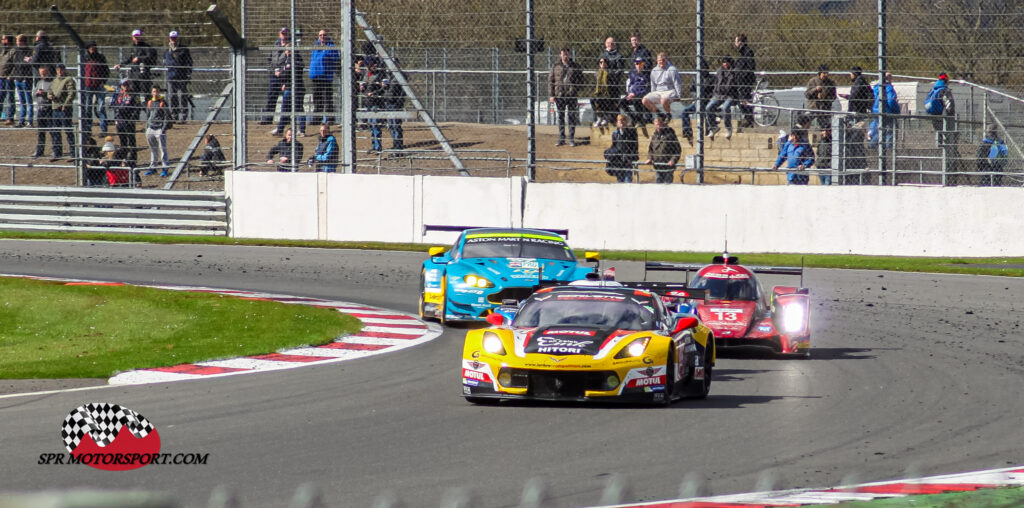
903 221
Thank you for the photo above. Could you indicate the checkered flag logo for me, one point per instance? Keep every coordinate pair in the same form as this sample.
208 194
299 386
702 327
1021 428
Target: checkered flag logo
103 422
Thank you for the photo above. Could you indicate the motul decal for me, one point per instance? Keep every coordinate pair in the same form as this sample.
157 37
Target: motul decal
642 382
476 375
584 333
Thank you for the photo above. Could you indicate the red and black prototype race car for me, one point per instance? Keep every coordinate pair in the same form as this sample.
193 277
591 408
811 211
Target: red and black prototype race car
739 310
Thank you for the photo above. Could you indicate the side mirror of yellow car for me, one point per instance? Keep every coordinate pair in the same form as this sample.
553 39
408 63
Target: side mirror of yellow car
592 256
683 323
435 251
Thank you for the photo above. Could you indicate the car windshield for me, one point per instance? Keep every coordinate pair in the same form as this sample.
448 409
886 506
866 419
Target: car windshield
727 289
620 312
516 246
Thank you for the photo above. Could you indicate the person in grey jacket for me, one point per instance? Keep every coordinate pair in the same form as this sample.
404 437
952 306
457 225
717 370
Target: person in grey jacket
157 117
564 84
665 86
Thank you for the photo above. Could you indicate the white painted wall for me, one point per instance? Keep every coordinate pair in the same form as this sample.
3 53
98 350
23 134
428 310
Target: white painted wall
872 220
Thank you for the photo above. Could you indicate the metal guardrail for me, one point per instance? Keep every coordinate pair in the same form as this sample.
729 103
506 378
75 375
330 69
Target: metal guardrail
106 210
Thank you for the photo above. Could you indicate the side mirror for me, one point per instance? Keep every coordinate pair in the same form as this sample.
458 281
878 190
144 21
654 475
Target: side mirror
435 251
592 257
495 319
684 323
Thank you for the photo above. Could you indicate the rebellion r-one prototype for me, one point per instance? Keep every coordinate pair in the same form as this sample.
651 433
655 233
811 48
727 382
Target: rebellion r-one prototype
488 265
610 342
739 310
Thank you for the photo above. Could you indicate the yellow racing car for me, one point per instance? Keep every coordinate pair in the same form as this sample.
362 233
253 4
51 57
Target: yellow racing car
591 341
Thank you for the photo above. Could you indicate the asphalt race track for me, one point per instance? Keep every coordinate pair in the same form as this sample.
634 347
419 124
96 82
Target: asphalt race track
911 374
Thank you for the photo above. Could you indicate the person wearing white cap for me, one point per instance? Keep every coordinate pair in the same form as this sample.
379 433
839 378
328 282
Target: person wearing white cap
139 60
178 60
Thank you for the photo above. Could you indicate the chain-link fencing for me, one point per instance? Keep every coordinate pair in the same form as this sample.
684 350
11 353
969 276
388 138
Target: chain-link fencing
80 132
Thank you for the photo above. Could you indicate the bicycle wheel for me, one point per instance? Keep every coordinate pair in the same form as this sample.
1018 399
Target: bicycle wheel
766 116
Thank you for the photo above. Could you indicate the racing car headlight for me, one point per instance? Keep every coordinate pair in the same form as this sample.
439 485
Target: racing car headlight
493 344
793 318
634 348
477 282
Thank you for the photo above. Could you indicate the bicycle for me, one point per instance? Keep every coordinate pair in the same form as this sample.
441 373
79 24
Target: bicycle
765 104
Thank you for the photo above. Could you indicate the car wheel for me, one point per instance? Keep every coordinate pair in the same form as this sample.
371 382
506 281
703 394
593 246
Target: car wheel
670 380
482 401
421 303
701 391
441 315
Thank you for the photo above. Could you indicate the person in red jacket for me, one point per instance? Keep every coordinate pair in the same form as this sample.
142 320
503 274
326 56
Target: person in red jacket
94 87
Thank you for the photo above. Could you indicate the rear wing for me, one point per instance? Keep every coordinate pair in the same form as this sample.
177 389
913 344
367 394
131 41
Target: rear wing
444 227
664 289
659 266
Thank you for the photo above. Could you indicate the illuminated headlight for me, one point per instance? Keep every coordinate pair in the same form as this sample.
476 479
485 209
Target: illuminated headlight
793 318
477 282
493 344
634 349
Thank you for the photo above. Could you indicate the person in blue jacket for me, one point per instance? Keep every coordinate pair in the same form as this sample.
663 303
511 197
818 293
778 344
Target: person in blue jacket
323 65
325 159
892 107
798 155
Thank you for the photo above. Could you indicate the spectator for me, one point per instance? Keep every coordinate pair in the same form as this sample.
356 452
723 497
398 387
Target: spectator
603 101
94 87
637 87
178 60
992 156
564 83
118 163
855 156
371 89
323 64
665 86
623 153
44 112
158 115
798 155
140 60
640 51
290 66
824 156
664 150
940 102
891 107
281 153
213 157
62 99
723 96
820 93
746 67
860 95
616 65
7 52
94 174
43 53
22 74
394 100
325 157
277 61
126 109
704 96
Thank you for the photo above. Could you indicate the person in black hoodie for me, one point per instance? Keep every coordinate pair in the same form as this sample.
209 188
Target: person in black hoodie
178 60
860 96
140 59
746 66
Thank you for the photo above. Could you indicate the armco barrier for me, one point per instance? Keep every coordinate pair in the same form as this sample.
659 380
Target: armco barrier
106 210
868 220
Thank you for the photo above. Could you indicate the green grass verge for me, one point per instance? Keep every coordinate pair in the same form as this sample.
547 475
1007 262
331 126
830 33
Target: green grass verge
1009 497
1011 267
53 330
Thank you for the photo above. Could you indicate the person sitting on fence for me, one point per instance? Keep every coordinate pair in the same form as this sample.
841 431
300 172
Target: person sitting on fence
325 158
992 156
798 155
623 152
820 94
213 157
664 150
637 86
665 86
281 154
725 93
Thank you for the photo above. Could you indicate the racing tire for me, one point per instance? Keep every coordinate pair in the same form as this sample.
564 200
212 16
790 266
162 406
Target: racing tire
701 391
670 381
422 303
482 401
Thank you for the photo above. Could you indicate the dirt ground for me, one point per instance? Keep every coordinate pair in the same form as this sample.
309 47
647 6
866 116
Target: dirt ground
485 150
